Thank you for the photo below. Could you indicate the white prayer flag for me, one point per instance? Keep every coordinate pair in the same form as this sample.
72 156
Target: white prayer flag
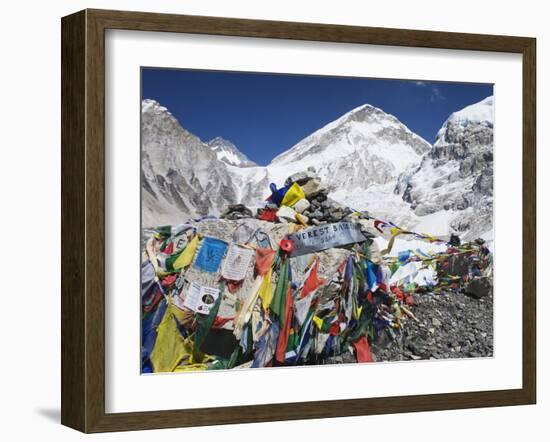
236 262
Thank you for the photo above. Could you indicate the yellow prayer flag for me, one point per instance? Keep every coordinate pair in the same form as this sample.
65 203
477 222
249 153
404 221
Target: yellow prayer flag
266 290
172 351
186 257
318 322
293 195
169 347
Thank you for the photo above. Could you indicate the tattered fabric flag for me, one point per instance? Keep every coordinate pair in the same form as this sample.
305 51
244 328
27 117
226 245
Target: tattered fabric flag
370 273
364 323
169 280
170 346
183 259
150 300
312 282
264 260
234 286
151 290
246 311
236 262
168 249
305 334
148 276
278 303
362 350
149 330
292 345
302 262
294 194
405 273
266 347
268 215
210 254
277 195
285 330
179 242
320 341
204 322
266 290
302 307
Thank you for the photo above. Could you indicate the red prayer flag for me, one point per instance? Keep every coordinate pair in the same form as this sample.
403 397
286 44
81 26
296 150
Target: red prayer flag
264 260
169 280
285 330
233 286
219 322
400 295
169 249
313 281
268 215
362 350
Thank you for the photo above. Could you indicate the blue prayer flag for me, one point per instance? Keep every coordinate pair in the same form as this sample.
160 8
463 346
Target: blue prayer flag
210 254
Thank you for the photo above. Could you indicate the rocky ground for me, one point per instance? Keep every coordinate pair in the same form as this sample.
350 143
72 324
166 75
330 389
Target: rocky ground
450 325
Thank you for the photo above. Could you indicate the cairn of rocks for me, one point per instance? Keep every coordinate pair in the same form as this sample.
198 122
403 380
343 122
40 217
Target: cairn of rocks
321 209
315 209
236 211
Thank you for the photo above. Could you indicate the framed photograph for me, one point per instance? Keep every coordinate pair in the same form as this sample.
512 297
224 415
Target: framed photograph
269 220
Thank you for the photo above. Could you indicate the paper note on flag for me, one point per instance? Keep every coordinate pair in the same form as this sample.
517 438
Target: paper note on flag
200 299
236 262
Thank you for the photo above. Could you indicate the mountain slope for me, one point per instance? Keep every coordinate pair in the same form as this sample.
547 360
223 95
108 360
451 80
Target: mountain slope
359 157
181 177
457 174
367 159
365 146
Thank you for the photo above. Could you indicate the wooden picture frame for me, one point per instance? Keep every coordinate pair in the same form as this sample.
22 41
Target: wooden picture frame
83 219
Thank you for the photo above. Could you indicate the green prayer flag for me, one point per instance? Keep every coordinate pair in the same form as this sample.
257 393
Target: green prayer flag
279 297
204 322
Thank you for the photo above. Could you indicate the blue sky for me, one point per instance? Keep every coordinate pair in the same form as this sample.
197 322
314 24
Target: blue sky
266 114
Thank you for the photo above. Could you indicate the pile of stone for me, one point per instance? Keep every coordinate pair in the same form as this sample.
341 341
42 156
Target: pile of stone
313 209
472 272
324 210
316 207
236 211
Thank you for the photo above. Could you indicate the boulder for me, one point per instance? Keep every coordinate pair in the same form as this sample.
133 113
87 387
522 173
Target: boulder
236 211
300 178
312 188
458 265
301 205
479 287
317 214
286 214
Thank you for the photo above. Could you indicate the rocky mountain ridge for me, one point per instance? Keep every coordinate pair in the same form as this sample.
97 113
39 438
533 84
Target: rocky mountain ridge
367 159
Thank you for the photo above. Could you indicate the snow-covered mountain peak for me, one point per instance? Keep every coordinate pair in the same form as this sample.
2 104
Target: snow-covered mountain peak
358 131
364 146
456 176
367 159
149 104
227 152
481 113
